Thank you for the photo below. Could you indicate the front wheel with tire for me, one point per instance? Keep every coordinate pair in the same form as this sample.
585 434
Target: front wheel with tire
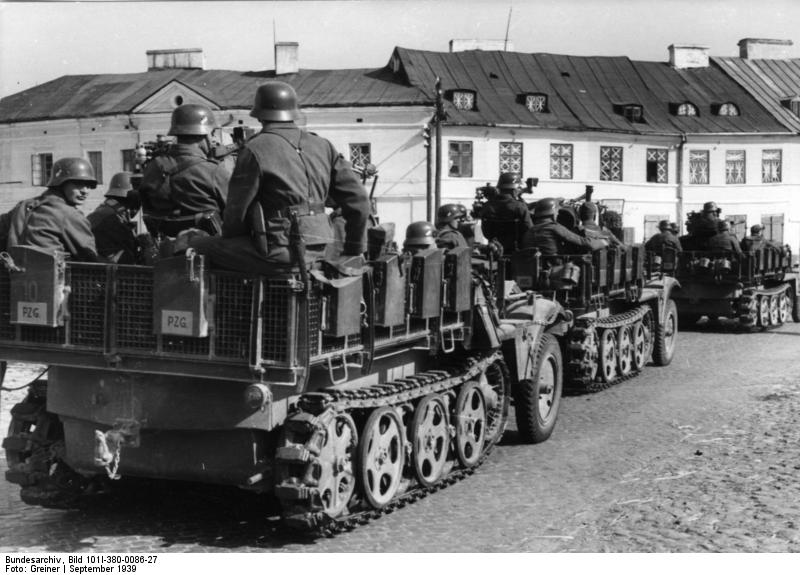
539 398
666 333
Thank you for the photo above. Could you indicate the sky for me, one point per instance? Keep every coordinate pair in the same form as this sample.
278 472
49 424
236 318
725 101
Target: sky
44 40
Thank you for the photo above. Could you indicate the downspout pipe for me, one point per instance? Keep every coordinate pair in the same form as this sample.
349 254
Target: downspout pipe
679 180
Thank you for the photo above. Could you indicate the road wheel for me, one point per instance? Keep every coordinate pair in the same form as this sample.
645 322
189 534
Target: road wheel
774 314
783 308
608 355
624 350
540 397
640 345
470 424
430 439
763 311
495 385
337 479
381 456
666 332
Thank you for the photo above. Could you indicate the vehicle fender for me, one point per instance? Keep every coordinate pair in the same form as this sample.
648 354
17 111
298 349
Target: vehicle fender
658 293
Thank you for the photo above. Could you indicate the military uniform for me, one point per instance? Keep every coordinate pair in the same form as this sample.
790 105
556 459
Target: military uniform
113 232
285 169
49 222
553 239
663 239
182 184
724 242
505 219
593 231
449 239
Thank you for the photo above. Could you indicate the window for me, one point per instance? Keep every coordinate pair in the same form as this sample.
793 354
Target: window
41 169
460 156
96 159
687 109
771 166
360 155
561 161
464 100
511 157
698 166
734 167
129 160
536 102
773 227
727 109
657 165
633 113
792 104
738 225
611 163
651 225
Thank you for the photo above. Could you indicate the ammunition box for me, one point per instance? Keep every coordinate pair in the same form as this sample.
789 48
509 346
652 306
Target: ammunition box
180 296
457 285
37 290
390 296
342 306
425 284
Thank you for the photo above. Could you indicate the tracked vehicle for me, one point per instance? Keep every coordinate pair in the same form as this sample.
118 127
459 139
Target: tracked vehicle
341 396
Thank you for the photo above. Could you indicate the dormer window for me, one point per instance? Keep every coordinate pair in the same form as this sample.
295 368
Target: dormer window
395 63
792 104
536 102
631 112
726 109
463 99
686 109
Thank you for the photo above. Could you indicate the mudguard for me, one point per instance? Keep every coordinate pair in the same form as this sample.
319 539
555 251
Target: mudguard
660 292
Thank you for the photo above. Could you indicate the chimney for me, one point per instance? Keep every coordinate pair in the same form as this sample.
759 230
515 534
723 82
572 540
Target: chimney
175 58
286 61
688 56
756 48
478 44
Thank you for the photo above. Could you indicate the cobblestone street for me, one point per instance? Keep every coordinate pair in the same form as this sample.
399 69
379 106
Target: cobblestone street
699 456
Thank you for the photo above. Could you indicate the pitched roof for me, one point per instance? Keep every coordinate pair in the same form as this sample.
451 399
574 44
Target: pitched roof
584 92
103 94
769 82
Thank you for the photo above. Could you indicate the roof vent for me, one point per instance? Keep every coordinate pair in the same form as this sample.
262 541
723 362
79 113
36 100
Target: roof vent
688 56
755 48
191 58
478 44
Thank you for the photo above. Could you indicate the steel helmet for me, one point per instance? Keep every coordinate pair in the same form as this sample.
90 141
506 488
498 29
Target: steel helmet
122 187
420 234
709 207
587 211
275 102
449 212
192 120
724 225
76 169
664 225
544 208
507 182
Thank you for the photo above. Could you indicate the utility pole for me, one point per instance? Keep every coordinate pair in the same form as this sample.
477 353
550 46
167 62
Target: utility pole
438 118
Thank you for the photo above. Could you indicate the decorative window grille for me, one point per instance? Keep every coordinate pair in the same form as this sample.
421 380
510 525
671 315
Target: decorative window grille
128 160
773 227
734 167
536 102
611 163
460 158
771 166
687 109
96 159
698 166
657 165
561 161
511 157
463 100
728 109
360 155
41 169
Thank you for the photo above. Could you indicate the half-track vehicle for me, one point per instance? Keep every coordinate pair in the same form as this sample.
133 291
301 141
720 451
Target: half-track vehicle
340 395
623 313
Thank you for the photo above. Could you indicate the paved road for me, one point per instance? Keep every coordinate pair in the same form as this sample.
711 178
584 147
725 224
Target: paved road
699 456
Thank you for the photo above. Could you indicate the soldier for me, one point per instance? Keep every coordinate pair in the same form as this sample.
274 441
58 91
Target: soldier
448 218
53 220
675 229
419 236
282 180
185 188
705 226
724 240
552 238
504 217
665 238
112 223
587 213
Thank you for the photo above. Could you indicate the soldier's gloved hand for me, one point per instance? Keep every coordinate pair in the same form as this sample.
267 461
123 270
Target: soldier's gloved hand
348 265
496 248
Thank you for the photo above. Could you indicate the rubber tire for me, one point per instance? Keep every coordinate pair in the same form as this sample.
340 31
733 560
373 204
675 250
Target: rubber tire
663 350
532 428
795 302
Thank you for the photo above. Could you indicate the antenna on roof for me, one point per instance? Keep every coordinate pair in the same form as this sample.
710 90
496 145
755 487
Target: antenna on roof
508 25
